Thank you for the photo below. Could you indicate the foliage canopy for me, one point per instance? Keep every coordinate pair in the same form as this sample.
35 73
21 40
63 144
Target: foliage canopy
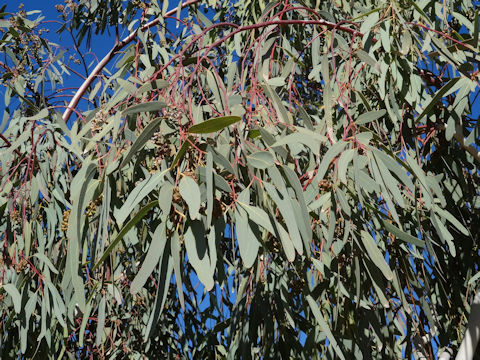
294 179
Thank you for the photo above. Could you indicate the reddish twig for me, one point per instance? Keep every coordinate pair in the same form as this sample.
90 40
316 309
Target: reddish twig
441 34
118 46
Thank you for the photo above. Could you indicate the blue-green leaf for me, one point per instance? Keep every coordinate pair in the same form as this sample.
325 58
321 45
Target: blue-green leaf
16 299
190 193
376 255
124 231
324 326
261 159
142 139
145 107
154 254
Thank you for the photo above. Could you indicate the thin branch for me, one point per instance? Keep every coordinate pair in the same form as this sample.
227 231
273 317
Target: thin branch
8 144
118 45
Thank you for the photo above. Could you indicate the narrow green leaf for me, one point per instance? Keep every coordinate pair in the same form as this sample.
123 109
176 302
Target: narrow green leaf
145 107
403 235
154 254
305 137
286 241
392 164
152 85
142 139
390 183
475 28
165 198
163 281
177 267
214 85
378 284
183 149
46 261
363 56
438 95
124 231
446 215
277 103
304 221
261 159
443 233
282 200
40 115
209 182
324 326
420 11
314 205
259 216
144 188
276 81
101 321
247 242
85 319
213 125
342 198
474 278
376 255
343 163
197 251
370 116
58 305
328 158
16 298
190 193
385 193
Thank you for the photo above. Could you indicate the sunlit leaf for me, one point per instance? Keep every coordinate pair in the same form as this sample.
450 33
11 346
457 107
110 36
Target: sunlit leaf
213 125
145 107
191 195
261 159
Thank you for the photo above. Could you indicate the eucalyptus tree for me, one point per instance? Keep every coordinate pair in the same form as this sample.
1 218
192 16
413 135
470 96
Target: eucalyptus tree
240 180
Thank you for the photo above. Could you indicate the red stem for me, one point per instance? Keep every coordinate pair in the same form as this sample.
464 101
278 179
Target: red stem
118 45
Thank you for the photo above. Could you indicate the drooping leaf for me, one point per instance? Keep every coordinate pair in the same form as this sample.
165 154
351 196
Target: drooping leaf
154 254
403 235
176 258
183 149
376 255
190 193
142 189
12 290
198 254
324 326
101 320
247 242
438 95
328 157
142 139
285 207
259 216
139 216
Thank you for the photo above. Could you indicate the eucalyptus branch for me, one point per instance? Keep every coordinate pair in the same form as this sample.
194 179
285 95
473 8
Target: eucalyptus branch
118 45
